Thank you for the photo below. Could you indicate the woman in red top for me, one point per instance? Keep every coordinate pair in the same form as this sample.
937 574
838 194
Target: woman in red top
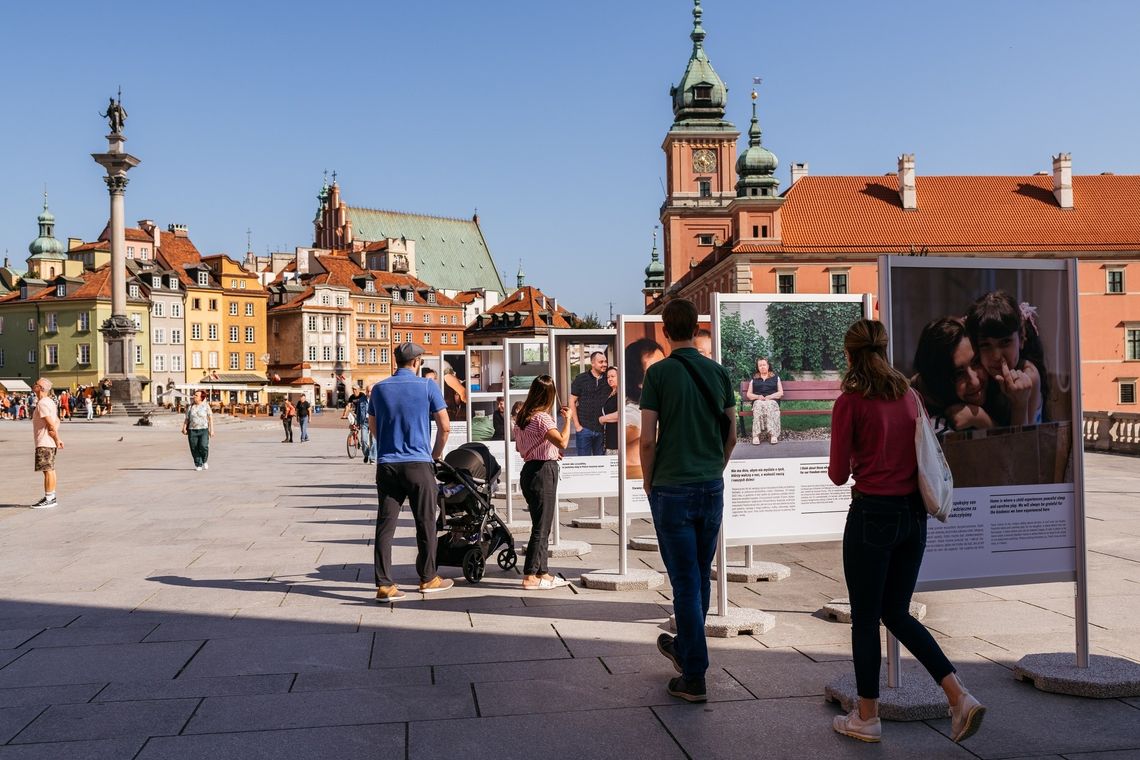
540 443
872 440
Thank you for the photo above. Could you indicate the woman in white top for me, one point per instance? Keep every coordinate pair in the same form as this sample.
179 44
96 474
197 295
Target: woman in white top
540 443
199 429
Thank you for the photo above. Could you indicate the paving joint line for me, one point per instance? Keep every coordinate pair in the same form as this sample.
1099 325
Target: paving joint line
685 752
192 714
186 664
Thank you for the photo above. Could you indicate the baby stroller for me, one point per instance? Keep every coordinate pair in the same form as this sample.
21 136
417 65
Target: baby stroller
470 530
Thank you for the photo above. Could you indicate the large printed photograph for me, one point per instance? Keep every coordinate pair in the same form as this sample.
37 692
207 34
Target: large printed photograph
786 360
586 375
988 350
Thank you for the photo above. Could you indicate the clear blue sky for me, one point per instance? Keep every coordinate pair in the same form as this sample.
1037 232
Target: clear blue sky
546 116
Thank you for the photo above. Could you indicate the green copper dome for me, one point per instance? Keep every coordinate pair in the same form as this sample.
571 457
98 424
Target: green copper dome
701 95
655 272
46 246
756 166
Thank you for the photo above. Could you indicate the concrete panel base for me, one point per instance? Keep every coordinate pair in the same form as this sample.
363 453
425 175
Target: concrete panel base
1057 672
918 698
839 610
609 523
739 621
568 506
631 580
564 548
643 543
757 571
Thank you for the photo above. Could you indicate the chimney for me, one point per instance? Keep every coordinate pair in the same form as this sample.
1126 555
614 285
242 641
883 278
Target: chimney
146 225
179 230
1063 179
907 193
799 171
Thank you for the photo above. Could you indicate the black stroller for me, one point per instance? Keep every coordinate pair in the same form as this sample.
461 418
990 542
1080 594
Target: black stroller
470 530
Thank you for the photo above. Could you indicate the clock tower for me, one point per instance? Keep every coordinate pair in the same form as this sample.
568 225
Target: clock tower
700 160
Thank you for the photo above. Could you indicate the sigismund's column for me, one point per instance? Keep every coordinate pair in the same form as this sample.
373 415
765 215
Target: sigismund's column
119 333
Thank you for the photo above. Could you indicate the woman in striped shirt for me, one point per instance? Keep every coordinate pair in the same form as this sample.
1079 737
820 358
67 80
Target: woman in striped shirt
540 443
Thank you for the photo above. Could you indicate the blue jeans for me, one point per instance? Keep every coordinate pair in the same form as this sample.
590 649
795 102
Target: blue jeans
687 520
304 428
590 443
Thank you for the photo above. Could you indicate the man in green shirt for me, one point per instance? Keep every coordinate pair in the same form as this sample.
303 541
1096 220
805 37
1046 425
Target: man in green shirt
687 435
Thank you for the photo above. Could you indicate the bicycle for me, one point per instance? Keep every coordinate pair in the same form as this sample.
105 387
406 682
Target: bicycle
354 444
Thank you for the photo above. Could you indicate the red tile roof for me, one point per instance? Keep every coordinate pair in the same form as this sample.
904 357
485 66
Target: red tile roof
959 214
177 253
134 234
537 308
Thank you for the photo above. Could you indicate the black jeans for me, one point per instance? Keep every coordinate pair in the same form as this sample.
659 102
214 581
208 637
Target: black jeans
883 545
288 424
539 483
395 483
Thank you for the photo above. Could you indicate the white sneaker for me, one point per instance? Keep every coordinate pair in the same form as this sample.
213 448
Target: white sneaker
205 465
857 728
45 503
198 468
966 718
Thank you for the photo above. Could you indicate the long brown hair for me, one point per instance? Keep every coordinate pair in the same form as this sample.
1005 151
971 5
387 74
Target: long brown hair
869 374
539 399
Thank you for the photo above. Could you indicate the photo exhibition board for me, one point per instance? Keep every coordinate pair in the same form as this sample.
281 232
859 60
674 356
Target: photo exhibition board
526 360
485 369
780 492
991 345
572 354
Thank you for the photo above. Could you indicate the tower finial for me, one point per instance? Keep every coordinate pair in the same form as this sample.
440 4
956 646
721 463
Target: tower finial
698 35
45 196
653 253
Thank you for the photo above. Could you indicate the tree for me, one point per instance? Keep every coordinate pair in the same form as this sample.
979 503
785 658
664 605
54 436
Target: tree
741 344
808 337
588 322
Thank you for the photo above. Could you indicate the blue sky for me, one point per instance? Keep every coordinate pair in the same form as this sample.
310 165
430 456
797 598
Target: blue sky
546 116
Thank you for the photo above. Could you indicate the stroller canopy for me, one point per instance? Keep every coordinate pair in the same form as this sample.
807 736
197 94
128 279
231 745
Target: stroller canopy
475 459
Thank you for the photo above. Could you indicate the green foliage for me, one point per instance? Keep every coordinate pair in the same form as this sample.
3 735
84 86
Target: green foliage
741 343
588 322
808 337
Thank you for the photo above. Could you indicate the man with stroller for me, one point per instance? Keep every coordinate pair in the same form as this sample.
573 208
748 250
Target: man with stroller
400 410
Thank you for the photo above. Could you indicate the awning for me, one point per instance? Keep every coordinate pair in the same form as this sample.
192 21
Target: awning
15 385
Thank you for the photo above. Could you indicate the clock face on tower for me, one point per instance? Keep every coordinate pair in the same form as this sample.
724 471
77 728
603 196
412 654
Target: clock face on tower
704 160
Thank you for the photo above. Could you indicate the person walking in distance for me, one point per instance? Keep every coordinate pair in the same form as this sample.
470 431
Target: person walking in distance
303 409
198 427
872 440
360 410
45 432
588 393
400 411
688 413
288 412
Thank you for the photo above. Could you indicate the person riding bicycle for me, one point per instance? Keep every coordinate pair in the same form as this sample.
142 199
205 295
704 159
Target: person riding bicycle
358 406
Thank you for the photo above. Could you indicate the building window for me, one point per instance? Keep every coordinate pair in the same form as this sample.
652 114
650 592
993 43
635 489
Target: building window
159 335
383 356
427 338
176 363
137 319
372 330
702 92
371 307
1115 282
196 304
52 323
340 353
176 310
383 308
396 317
60 290
431 296
248 306
360 356
212 332
359 329
372 356
249 360
326 353
249 335
233 334
2 325
233 308
241 285
324 299
312 320
195 360
176 337
138 355
369 286
158 309
408 316
839 282
158 361
312 353
341 300
235 360
427 318
51 354
233 284
1132 344
704 239
130 251
763 230
1 357
395 295
755 230
195 332
32 356
785 283
384 331
213 304
156 281
326 324
83 356
144 253
203 279
213 358
32 325
1127 391
706 188
340 324
134 290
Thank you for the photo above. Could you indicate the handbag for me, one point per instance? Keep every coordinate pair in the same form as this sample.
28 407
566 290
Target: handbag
935 481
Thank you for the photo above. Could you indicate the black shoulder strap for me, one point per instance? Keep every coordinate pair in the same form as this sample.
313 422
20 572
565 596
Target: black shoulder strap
723 422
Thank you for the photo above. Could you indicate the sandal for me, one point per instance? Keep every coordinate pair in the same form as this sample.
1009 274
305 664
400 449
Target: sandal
546 584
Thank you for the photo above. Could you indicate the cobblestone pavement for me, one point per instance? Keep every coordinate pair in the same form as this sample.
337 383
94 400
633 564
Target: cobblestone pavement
160 612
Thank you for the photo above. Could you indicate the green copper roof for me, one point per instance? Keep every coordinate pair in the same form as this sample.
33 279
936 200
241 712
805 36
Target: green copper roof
756 166
451 254
701 95
46 246
655 272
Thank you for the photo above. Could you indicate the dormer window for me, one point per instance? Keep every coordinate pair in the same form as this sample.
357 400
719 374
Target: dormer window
60 290
156 282
431 296
705 239
134 290
395 295
203 279
702 92
172 283
369 286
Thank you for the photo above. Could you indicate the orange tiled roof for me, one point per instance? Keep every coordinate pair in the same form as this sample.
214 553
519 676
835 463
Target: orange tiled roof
96 284
529 300
134 234
177 253
959 214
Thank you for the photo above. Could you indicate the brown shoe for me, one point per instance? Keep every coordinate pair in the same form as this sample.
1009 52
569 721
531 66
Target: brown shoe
389 594
436 584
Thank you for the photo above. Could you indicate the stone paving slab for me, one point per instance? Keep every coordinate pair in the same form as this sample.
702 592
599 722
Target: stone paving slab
181 688
281 654
111 720
99 749
365 742
49 695
88 664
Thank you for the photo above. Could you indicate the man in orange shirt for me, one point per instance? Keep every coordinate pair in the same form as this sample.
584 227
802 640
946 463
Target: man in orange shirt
45 431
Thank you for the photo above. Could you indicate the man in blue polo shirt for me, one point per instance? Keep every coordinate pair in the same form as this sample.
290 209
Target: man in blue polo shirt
400 410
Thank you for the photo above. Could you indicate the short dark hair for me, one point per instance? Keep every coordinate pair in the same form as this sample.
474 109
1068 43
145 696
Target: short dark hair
680 318
597 353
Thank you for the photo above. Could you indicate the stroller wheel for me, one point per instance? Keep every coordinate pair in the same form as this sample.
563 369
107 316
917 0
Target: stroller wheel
508 558
474 565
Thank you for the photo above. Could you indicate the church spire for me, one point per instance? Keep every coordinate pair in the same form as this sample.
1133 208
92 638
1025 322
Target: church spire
701 96
655 272
46 246
756 166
